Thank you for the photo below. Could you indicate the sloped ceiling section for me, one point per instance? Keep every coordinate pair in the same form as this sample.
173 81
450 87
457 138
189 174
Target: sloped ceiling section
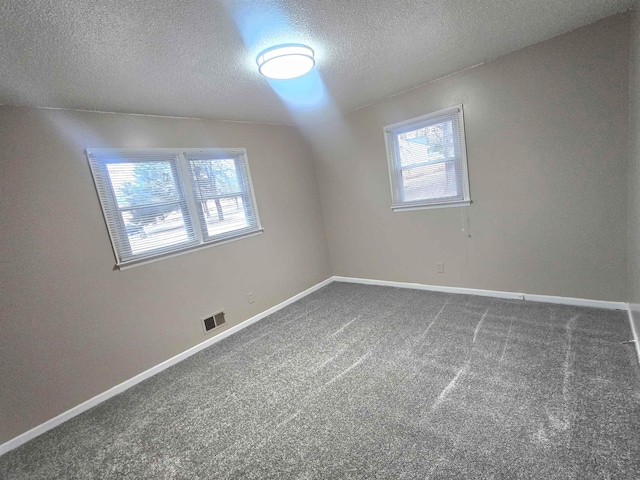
196 58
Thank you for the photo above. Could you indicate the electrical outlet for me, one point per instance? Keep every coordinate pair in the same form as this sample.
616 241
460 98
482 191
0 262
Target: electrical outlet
440 267
250 298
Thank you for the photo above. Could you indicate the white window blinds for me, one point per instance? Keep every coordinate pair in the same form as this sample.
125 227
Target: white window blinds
222 191
427 161
159 202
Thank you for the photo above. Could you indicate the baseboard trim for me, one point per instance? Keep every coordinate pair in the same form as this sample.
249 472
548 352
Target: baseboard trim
634 331
577 302
92 402
432 288
581 302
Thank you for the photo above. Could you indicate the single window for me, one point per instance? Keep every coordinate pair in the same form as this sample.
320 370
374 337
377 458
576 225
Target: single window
163 201
427 161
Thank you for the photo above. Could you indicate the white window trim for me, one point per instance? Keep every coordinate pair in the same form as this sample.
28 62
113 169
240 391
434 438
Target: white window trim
390 131
186 186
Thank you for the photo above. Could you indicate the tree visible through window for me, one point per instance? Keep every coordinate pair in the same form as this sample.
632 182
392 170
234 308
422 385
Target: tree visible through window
217 186
427 161
214 178
151 183
151 210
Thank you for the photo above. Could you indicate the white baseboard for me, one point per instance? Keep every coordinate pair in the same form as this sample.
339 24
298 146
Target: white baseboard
581 302
432 288
633 307
578 302
92 402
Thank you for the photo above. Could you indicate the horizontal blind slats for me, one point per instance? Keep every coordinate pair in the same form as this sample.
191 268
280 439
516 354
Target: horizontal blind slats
145 203
425 160
223 192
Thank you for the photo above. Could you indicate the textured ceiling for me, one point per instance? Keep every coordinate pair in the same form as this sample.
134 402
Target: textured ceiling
196 58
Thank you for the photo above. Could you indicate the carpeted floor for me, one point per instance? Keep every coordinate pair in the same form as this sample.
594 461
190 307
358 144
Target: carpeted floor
364 382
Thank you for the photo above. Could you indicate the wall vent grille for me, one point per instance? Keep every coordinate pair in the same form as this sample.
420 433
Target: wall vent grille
213 321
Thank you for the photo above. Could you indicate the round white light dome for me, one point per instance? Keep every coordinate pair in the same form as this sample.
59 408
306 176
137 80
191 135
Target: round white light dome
285 61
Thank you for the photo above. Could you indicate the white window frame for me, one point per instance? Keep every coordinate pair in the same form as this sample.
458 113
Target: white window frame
391 132
100 157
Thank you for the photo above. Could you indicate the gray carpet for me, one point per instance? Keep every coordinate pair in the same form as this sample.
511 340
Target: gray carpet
368 382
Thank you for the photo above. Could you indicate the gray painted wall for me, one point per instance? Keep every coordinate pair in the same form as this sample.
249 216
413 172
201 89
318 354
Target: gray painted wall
547 138
72 327
547 142
634 171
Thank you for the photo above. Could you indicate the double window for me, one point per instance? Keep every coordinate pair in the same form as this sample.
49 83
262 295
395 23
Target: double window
163 201
427 161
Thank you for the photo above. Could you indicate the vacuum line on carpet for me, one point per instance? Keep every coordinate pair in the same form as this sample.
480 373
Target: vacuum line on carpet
504 349
568 373
475 334
434 320
328 360
567 366
433 469
449 387
291 417
299 316
345 326
354 296
357 362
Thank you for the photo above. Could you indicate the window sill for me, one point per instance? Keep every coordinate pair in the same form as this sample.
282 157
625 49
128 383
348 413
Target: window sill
429 206
156 258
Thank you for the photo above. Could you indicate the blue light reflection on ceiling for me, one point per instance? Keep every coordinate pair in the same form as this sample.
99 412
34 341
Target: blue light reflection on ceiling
305 92
262 25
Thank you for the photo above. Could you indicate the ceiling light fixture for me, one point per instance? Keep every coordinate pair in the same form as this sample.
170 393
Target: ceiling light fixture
285 61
